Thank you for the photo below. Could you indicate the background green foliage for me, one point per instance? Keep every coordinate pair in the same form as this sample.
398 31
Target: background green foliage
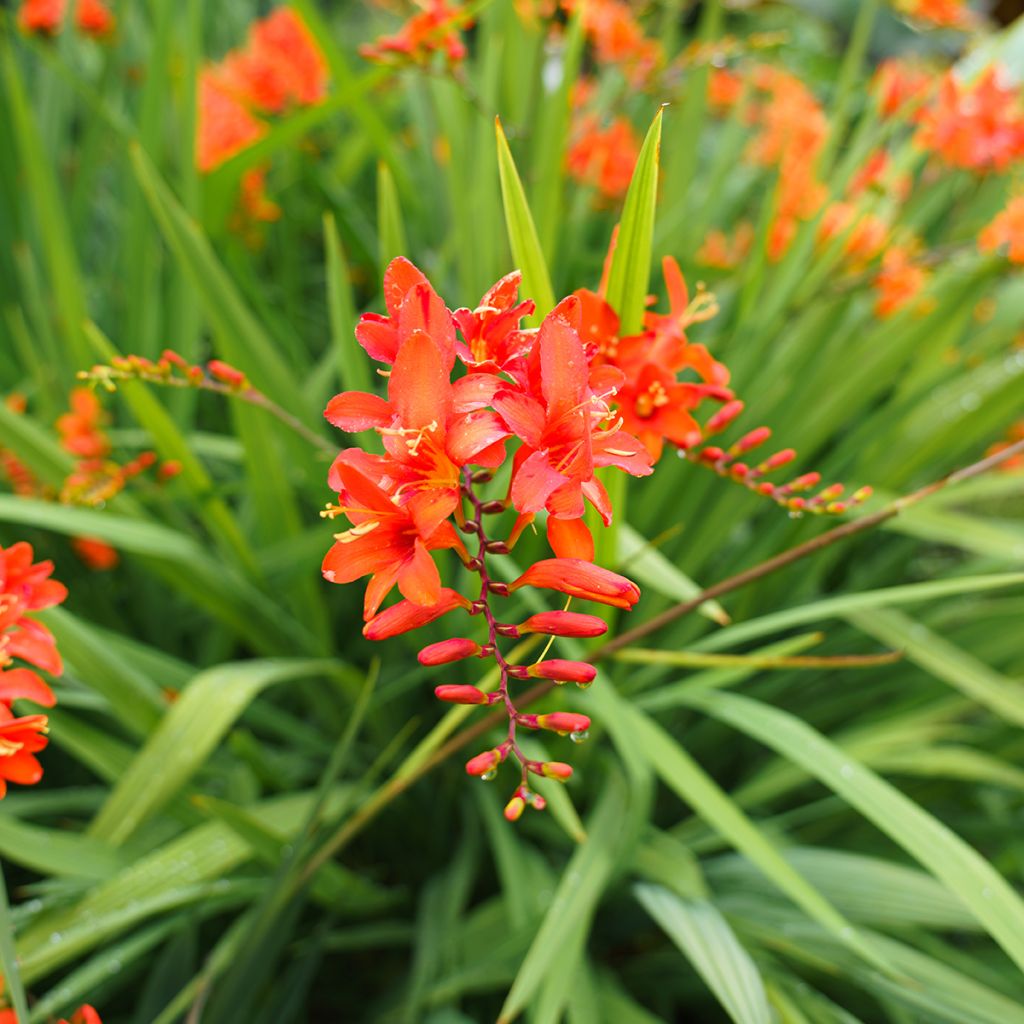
277 844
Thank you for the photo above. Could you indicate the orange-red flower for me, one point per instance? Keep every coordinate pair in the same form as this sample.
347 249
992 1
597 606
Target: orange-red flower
617 38
97 554
81 431
390 543
900 86
1007 228
20 740
604 157
492 338
940 13
977 126
436 29
577 578
723 252
863 234
46 17
279 68
898 282
560 419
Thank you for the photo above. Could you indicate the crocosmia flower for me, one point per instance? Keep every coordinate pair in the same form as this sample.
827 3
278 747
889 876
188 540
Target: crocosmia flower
435 29
1006 229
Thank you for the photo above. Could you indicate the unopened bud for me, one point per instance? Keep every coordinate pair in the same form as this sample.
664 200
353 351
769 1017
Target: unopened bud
802 483
831 492
485 763
504 629
482 476
777 460
514 808
574 624
497 547
226 373
492 508
712 454
447 651
556 770
862 494
739 470
563 722
752 440
498 589
461 695
723 417
563 671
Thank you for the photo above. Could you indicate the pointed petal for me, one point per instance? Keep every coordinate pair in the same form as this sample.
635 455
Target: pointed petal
400 278
23 684
623 450
675 285
524 415
419 388
378 336
347 560
534 481
594 492
424 310
353 411
418 579
566 501
377 589
570 538
470 434
563 366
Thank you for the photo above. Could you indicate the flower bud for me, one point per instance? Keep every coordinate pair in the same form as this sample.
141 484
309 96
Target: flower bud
405 615
777 460
802 483
723 417
454 694
514 808
862 494
581 579
556 770
752 440
227 374
563 722
485 764
712 454
574 624
447 651
831 492
562 671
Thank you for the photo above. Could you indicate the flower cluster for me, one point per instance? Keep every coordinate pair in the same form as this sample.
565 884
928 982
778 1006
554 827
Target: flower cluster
170 369
83 1015
976 126
939 13
572 397
25 587
435 29
279 69
46 17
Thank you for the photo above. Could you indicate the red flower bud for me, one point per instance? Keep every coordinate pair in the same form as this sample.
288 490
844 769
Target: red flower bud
574 624
461 694
723 417
404 616
485 763
563 671
563 722
556 770
802 483
514 808
226 373
752 440
712 454
581 579
777 460
446 651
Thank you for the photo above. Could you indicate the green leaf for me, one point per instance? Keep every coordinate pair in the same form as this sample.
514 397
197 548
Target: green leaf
188 734
574 901
353 363
944 660
693 785
54 852
390 227
963 870
706 940
630 273
522 235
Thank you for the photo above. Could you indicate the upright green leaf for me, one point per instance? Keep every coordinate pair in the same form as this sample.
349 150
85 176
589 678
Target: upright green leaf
630 274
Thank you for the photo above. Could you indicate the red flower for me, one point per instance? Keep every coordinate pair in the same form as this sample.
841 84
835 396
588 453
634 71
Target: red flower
604 157
560 421
406 615
93 18
224 126
20 740
978 127
898 282
46 17
388 542
492 338
434 30
81 431
97 554
1006 229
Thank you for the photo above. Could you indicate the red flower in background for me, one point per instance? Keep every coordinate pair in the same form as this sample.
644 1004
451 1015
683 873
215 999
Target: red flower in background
978 126
604 157
1006 229
46 17
898 282
434 30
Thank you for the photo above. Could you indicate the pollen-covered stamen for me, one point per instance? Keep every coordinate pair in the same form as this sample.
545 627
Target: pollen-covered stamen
348 536
703 306
413 435
649 401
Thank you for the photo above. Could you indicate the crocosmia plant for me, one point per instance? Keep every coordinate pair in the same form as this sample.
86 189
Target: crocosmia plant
440 411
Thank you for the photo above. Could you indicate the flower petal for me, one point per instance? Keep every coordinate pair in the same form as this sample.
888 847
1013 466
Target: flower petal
353 411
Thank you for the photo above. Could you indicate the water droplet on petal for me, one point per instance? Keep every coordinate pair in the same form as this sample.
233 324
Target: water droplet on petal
579 736
489 774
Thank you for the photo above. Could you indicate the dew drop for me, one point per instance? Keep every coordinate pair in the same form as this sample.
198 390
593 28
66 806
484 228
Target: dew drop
794 514
986 893
846 770
579 736
970 402
584 686
491 773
